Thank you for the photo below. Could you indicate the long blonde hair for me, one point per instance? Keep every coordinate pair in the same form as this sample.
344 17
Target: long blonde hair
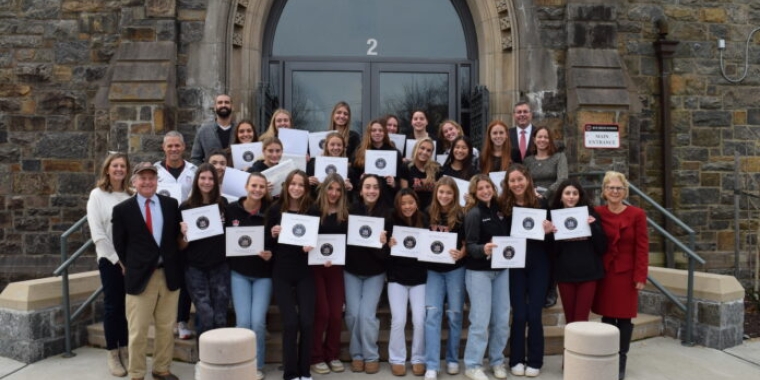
453 211
330 136
324 204
432 166
272 130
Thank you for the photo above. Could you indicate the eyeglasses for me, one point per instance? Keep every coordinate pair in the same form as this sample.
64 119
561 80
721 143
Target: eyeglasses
614 189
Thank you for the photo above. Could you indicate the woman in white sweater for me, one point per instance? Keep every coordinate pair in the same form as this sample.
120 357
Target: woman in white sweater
112 188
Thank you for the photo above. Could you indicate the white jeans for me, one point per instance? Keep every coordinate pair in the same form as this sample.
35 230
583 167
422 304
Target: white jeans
398 297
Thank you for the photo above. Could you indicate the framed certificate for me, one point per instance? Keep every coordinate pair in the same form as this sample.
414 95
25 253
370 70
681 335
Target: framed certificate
277 174
294 141
323 166
408 241
330 248
203 222
297 229
463 187
244 241
365 231
380 162
173 190
497 178
317 143
508 253
398 140
436 247
244 155
528 223
571 223
234 182
410 148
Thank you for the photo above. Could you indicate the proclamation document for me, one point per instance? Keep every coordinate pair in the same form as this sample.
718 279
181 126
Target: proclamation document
408 241
364 231
277 174
508 253
203 222
173 190
330 247
244 155
297 229
234 182
436 247
463 187
294 141
299 160
317 143
398 140
528 223
497 178
571 223
244 241
324 166
380 162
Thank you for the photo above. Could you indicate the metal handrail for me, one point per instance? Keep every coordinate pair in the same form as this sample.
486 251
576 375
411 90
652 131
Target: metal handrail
63 271
692 256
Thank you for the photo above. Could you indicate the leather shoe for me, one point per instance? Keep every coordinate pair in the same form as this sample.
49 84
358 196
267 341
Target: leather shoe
165 376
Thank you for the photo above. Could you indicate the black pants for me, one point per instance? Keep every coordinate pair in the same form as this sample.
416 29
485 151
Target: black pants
114 298
295 297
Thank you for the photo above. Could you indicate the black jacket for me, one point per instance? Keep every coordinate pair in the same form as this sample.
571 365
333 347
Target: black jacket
481 223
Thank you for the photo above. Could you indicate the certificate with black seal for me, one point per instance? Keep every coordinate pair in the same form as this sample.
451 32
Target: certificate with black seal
244 241
571 223
408 241
244 155
380 162
528 223
508 253
317 142
436 247
330 247
173 190
323 166
203 222
364 231
297 229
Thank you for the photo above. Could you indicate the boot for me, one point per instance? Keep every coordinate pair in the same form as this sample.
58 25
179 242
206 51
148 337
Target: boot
626 331
124 357
114 364
551 297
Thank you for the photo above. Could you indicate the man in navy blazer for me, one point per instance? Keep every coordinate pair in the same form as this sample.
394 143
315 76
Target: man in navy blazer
523 117
145 233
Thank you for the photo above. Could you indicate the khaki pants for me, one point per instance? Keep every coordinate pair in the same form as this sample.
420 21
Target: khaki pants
157 305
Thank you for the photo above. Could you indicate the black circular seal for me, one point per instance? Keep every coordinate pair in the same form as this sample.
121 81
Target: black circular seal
528 223
330 169
410 242
571 223
322 144
248 156
165 192
365 231
202 222
436 247
509 252
299 230
380 163
326 249
245 241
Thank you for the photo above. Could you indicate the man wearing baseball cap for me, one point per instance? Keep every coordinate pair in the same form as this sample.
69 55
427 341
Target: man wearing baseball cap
145 232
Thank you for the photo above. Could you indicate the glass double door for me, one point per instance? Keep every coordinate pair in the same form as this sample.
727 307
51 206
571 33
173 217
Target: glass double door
311 90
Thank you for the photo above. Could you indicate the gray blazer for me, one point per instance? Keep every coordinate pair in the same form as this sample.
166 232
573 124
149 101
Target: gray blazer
206 141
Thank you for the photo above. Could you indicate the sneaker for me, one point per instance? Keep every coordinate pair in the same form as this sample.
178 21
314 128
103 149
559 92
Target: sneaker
337 366
452 368
183 331
499 371
532 372
518 369
259 375
431 374
475 374
320 368
305 378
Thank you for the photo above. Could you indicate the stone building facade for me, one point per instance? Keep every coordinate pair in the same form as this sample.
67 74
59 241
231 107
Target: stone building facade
79 78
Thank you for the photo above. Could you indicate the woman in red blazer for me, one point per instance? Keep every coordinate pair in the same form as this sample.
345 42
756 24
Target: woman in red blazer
625 263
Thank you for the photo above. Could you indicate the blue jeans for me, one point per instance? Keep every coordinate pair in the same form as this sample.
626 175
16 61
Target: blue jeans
362 297
440 286
489 316
251 297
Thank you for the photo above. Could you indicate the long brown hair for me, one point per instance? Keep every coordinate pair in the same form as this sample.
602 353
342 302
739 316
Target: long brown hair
366 144
508 201
552 145
333 127
285 200
472 191
416 219
324 204
268 197
453 211
104 180
196 196
235 139
486 156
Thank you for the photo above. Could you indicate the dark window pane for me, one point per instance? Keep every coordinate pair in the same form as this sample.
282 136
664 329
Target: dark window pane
315 93
402 93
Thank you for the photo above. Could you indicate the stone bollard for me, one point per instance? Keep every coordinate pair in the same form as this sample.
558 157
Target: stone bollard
591 351
227 353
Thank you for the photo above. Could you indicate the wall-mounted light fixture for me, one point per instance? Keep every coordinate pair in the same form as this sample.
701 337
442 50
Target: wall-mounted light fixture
722 47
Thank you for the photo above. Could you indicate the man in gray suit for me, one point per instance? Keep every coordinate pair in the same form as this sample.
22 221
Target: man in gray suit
214 135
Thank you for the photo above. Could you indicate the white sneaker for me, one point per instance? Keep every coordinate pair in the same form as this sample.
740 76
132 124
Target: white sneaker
499 371
259 375
532 372
518 369
305 378
475 374
452 368
431 374
183 331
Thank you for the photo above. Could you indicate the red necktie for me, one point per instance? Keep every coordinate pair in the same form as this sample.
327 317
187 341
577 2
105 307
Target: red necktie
148 218
523 145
